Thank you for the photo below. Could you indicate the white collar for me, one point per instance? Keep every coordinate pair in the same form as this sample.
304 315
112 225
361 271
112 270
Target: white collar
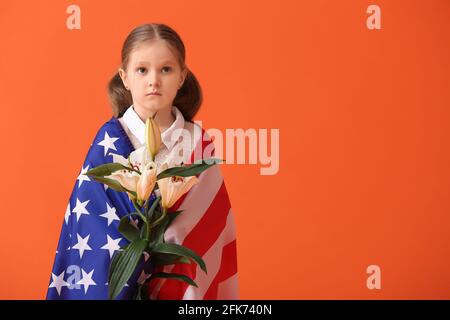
168 137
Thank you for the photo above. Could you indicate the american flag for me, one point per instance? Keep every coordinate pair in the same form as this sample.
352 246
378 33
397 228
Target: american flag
89 235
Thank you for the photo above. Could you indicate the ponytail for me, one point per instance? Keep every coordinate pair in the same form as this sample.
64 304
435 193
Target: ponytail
189 97
119 97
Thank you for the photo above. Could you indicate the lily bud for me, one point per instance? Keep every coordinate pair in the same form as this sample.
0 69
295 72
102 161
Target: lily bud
152 137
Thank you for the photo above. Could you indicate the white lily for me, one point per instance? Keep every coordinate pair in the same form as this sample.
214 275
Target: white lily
147 181
172 188
137 159
143 182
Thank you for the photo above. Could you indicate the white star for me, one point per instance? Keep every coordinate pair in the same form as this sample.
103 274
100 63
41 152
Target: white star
110 214
80 208
87 281
111 245
58 282
82 244
66 216
82 177
105 186
108 143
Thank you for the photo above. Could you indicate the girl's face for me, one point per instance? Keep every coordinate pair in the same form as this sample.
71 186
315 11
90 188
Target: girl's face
153 67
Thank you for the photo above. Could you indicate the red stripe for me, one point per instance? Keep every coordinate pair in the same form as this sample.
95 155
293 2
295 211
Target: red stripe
200 239
201 144
227 269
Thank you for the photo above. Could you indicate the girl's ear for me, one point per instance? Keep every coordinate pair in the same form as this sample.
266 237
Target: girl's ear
123 76
183 75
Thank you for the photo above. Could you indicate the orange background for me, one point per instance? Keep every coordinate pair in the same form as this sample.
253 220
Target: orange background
364 135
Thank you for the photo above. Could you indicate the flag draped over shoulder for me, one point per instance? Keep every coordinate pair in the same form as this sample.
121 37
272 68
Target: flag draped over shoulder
89 235
207 227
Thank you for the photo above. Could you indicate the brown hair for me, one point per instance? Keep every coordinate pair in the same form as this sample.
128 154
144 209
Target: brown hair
189 96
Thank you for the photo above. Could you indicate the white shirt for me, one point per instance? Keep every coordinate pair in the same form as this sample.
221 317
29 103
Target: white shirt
135 129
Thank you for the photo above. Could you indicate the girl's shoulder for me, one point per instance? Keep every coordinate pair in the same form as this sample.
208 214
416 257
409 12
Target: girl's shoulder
202 145
110 137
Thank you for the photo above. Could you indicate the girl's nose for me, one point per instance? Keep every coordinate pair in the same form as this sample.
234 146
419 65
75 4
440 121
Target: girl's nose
153 80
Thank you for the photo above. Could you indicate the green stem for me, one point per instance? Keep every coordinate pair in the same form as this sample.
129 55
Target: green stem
139 211
160 218
149 230
143 218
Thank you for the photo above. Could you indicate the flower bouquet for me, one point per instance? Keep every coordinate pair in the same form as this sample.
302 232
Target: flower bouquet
153 190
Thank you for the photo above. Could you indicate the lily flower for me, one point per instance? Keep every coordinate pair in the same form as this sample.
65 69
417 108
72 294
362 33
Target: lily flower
172 188
137 159
127 179
142 179
147 181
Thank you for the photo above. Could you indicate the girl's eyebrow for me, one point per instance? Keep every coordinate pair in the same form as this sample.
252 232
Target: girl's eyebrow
164 62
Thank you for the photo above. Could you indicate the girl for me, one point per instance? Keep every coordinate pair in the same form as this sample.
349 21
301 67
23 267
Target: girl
153 77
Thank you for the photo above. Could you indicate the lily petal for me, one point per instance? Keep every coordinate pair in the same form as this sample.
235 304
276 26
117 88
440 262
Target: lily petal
127 179
119 159
173 188
147 181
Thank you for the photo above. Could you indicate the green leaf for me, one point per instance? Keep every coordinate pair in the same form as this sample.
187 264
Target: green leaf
189 170
158 231
167 258
179 250
184 260
113 184
128 230
143 232
152 208
157 235
131 214
106 169
114 260
176 276
209 161
172 215
123 268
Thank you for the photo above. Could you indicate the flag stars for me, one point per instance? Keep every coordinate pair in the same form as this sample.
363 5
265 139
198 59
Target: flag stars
67 215
80 208
111 245
108 143
110 214
82 177
58 282
86 280
82 245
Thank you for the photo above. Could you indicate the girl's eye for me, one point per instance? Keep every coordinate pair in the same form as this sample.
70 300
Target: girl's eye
165 69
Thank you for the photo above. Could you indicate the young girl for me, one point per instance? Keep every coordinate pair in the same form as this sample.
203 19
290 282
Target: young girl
153 77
